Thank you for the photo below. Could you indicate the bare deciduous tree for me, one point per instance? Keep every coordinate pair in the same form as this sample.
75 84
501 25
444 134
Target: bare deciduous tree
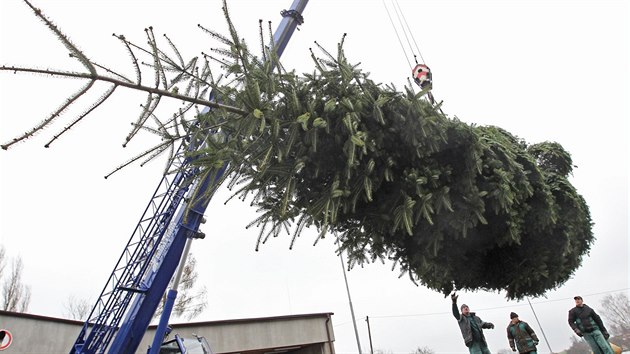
423 350
77 309
616 312
190 302
383 351
2 260
15 295
578 346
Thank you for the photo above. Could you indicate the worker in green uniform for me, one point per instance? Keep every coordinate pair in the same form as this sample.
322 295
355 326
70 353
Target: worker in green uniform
521 336
586 323
472 328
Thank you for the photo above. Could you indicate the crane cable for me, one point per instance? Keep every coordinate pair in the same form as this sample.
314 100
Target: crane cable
405 28
397 35
404 19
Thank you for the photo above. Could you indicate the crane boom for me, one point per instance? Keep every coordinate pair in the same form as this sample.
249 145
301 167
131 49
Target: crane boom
148 262
126 278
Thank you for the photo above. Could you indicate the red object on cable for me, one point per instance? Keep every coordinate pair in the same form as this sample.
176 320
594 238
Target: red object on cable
422 75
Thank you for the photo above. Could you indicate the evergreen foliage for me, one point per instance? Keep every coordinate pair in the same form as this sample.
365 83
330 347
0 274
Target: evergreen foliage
454 205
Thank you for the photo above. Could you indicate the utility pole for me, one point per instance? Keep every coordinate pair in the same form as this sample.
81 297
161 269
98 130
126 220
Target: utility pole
367 319
354 321
541 329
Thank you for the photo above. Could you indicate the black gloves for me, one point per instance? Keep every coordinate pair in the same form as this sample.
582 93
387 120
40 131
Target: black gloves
490 325
454 298
578 332
535 342
513 349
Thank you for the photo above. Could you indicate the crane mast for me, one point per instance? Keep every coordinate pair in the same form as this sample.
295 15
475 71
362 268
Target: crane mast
134 289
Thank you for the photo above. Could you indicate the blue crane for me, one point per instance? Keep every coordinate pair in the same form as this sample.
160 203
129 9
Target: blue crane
158 244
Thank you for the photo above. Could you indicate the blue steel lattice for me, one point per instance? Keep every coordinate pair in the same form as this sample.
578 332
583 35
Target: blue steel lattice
126 278
149 248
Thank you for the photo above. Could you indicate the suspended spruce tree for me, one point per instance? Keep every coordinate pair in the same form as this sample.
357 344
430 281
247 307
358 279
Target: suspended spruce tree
453 205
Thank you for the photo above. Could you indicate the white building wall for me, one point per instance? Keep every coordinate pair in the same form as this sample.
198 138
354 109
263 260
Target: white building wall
36 334
312 333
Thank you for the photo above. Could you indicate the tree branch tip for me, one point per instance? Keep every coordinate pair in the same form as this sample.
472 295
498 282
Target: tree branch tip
5 147
124 145
47 146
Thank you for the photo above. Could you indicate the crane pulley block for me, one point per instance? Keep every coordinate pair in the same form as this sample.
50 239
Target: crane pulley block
422 76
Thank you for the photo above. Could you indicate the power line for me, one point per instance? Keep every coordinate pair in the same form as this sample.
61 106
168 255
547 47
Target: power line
354 321
499 307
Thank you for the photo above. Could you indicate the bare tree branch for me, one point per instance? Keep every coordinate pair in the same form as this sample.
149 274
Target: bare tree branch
77 309
15 295
98 77
616 312
190 301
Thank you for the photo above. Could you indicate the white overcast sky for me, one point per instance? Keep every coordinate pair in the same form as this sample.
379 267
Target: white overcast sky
543 70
